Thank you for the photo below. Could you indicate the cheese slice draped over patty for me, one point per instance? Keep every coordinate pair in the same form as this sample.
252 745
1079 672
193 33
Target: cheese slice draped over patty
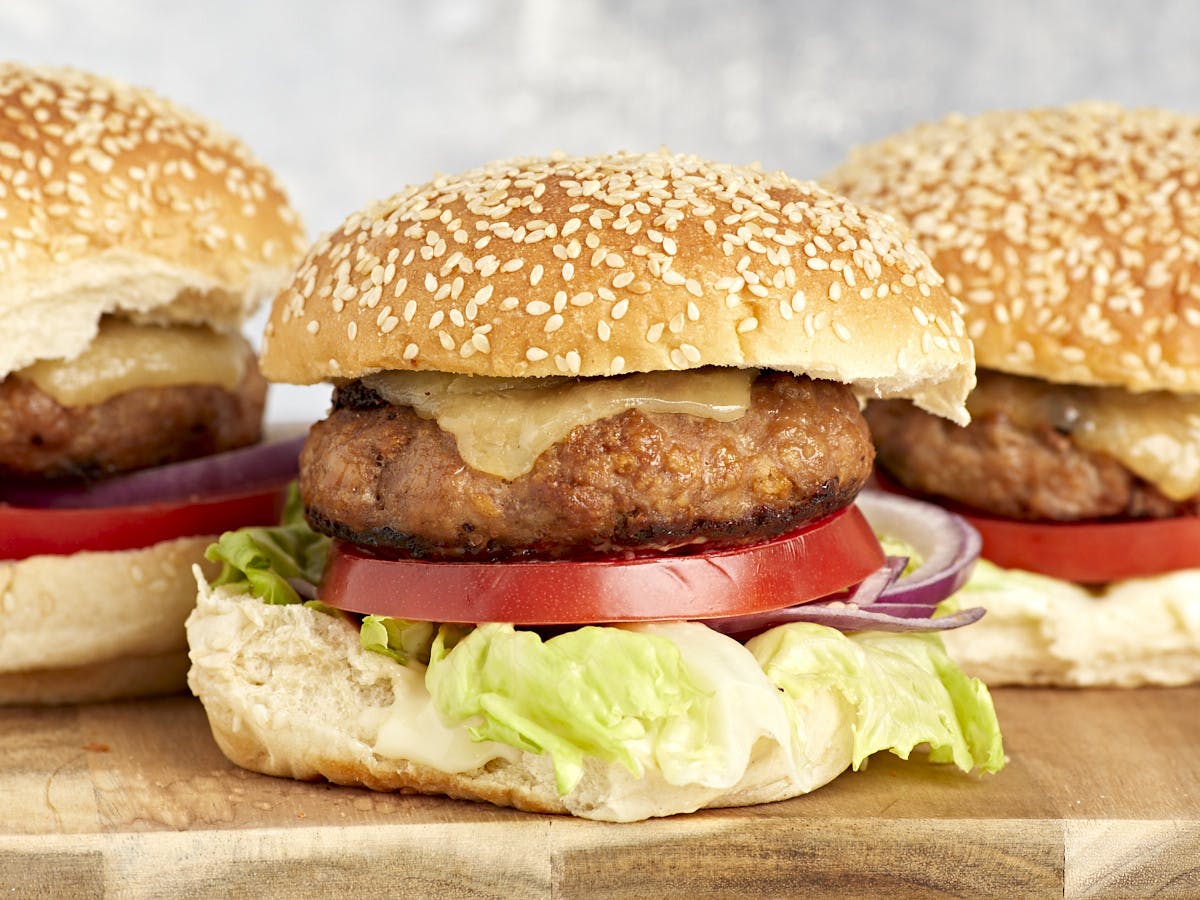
502 425
124 356
1156 435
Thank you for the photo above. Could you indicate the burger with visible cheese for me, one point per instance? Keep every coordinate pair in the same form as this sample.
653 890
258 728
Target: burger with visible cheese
594 426
1073 236
134 240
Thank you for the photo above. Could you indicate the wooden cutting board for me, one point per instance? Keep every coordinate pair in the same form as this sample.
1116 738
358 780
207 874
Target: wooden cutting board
1101 797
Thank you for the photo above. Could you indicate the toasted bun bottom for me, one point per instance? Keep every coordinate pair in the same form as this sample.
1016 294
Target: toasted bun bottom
1041 631
97 625
113 679
290 692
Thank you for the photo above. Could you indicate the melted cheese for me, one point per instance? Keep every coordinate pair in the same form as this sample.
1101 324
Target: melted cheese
412 729
124 356
502 425
1155 435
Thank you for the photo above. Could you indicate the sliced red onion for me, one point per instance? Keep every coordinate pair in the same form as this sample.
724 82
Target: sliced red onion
948 548
871 588
945 543
232 472
846 617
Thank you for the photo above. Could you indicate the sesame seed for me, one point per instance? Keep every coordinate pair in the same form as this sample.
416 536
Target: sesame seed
627 215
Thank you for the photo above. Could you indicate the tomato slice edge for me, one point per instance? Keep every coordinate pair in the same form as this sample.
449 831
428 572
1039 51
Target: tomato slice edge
28 531
820 559
1090 552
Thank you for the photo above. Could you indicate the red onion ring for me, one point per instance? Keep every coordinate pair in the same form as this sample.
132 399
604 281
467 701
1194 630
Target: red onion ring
844 617
947 545
948 548
235 471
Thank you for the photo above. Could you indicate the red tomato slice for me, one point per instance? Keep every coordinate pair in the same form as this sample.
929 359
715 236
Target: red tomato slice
27 531
1092 552
827 556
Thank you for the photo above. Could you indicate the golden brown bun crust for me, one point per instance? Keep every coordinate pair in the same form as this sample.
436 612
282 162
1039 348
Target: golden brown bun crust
1072 235
609 264
97 626
114 199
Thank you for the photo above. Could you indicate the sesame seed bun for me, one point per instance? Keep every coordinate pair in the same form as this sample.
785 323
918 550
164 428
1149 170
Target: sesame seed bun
1072 235
113 199
608 264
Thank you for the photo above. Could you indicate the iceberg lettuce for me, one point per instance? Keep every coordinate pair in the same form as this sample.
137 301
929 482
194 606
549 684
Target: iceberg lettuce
903 689
265 559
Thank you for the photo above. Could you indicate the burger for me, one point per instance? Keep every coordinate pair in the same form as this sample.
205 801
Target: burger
135 238
595 436
1073 236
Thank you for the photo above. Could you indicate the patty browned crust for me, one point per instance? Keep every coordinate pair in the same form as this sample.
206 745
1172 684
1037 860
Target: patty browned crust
380 475
39 437
1016 461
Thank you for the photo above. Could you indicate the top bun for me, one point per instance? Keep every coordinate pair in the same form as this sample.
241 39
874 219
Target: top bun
113 200
608 264
1072 235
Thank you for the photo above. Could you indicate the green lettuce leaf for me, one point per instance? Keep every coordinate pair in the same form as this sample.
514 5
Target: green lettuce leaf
402 639
594 691
903 689
264 558
625 695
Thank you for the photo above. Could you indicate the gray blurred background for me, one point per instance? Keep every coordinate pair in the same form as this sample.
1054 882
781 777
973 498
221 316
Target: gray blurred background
351 101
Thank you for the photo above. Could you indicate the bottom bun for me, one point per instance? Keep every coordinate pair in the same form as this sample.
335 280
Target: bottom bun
1042 631
97 625
113 679
290 692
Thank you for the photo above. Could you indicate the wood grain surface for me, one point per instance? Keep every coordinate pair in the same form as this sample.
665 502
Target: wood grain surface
1101 798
